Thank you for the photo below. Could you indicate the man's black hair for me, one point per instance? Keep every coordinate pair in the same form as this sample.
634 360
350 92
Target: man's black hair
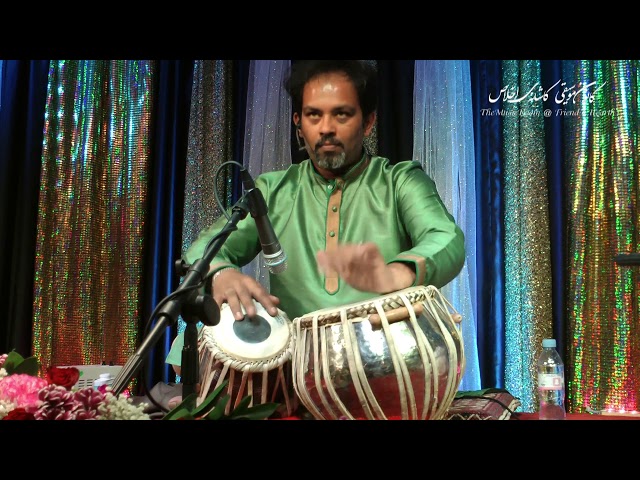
362 74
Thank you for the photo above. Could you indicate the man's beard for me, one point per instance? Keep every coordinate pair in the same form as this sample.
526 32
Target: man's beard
331 161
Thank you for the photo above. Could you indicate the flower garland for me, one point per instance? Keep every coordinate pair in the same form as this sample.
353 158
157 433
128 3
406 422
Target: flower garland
25 396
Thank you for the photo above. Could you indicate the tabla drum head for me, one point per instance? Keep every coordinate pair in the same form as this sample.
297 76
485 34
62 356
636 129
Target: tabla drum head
253 338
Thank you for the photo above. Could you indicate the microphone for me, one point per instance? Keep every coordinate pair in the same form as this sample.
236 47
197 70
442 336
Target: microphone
272 252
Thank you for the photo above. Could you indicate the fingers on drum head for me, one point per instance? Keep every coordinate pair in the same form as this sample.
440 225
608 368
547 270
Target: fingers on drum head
258 337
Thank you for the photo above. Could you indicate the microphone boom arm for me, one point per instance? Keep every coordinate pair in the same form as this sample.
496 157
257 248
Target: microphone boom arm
170 311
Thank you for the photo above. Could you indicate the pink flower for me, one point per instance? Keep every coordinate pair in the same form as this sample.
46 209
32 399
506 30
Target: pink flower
57 403
21 389
103 388
88 403
28 397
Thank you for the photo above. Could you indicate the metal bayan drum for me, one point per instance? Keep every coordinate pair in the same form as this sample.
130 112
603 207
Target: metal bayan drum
398 356
254 354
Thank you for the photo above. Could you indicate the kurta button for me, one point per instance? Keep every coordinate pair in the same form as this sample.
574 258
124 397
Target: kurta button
332 233
334 208
329 187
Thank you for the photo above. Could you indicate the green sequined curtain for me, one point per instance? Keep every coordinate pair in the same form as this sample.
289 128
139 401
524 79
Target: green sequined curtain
528 314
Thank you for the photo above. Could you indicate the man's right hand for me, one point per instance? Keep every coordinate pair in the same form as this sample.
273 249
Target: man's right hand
237 289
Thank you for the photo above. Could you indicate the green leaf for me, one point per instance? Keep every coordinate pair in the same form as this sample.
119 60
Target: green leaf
213 408
242 406
179 414
12 361
257 412
187 404
211 399
218 412
190 402
14 355
28 367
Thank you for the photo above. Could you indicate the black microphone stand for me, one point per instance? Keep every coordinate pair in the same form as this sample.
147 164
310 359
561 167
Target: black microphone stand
628 259
191 304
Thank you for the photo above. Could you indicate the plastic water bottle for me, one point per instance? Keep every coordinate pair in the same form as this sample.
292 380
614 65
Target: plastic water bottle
550 382
103 379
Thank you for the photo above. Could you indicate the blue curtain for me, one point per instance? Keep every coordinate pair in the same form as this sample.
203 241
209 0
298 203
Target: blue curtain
551 72
486 76
166 199
23 93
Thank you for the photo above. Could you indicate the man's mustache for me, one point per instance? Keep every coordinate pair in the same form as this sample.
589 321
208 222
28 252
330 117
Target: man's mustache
330 140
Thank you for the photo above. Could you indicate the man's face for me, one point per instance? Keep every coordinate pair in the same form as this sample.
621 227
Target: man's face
331 123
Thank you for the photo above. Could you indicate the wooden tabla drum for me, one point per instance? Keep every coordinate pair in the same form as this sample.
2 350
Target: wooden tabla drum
397 356
254 354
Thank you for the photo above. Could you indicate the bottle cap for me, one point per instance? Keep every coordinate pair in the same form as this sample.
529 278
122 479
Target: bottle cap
549 343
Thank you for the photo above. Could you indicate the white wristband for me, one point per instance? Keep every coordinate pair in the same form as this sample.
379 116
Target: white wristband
215 275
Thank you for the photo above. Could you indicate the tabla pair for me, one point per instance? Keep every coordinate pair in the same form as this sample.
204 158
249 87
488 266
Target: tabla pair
396 356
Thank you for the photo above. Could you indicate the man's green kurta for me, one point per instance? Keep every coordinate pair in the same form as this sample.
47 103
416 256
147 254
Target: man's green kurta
395 206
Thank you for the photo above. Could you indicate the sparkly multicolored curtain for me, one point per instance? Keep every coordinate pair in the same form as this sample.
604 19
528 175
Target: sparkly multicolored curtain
443 144
91 212
594 104
528 281
371 142
603 298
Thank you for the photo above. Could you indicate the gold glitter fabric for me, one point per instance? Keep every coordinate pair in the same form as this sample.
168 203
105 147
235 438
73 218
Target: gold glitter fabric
210 145
603 182
528 309
371 142
92 211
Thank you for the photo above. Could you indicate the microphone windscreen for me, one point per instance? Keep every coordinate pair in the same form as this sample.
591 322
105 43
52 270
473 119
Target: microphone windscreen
277 262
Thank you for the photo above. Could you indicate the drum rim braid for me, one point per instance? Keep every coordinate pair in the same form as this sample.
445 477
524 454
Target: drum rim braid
242 364
390 301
